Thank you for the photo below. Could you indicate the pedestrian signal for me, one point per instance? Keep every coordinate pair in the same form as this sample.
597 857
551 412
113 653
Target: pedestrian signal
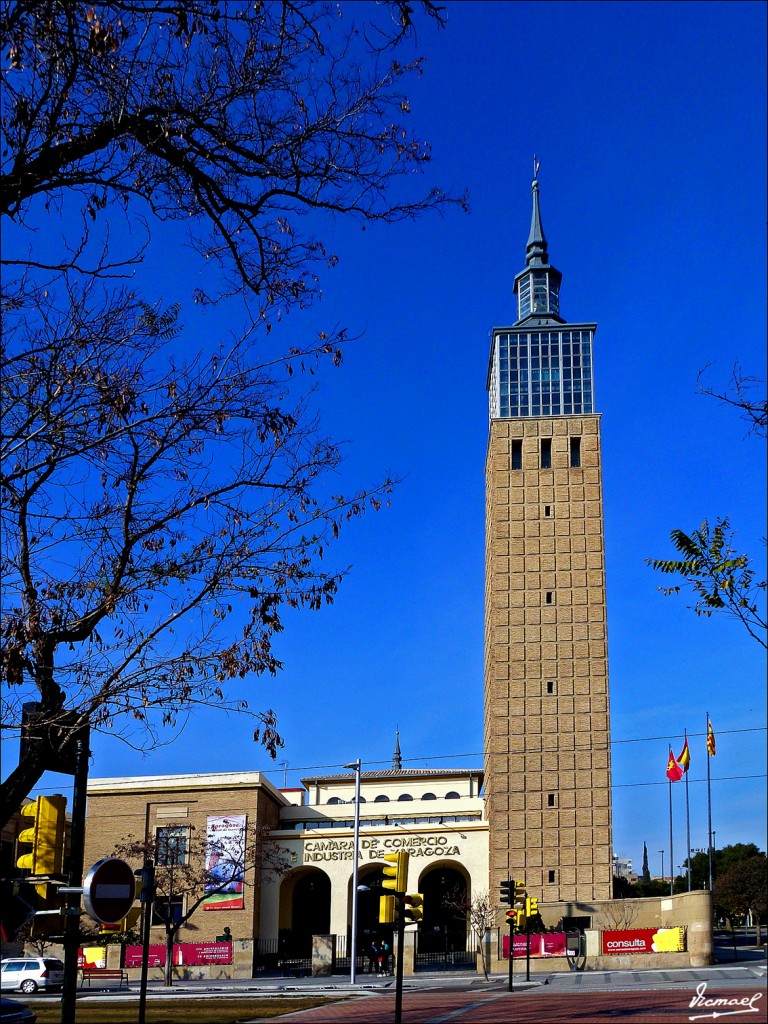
395 871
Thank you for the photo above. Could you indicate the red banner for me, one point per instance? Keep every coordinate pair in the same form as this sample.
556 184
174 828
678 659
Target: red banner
542 944
644 940
553 944
191 954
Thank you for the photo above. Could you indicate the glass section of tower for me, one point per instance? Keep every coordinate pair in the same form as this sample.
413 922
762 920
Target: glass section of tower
537 293
542 373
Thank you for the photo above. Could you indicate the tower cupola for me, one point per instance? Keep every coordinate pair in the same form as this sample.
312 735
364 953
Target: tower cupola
538 286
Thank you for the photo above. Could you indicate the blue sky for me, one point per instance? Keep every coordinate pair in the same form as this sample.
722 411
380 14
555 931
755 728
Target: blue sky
649 122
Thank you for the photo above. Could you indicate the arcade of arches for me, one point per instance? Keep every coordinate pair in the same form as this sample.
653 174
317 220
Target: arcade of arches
306 899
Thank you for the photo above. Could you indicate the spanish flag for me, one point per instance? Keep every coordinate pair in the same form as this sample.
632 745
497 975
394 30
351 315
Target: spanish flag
674 771
684 759
710 739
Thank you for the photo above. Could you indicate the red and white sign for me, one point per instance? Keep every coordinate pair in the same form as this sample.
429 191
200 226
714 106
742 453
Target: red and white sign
637 940
109 890
542 944
191 954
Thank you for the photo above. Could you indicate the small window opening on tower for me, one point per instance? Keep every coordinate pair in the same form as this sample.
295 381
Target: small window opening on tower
547 511
546 453
551 876
575 452
548 597
517 454
551 800
550 688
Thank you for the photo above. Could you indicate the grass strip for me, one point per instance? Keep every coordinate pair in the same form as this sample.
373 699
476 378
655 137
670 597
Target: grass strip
210 1010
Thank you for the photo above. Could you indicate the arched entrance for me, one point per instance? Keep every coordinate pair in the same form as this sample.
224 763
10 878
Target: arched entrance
368 927
305 910
446 894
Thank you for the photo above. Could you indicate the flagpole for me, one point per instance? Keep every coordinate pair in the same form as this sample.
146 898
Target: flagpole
671 853
687 817
709 812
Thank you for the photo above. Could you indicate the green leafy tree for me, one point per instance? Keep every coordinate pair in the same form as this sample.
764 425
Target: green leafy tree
711 566
743 888
719 576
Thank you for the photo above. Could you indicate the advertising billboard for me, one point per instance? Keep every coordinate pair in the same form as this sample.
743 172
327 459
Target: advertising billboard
225 863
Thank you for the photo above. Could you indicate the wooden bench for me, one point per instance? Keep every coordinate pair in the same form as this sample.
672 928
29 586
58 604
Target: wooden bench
104 974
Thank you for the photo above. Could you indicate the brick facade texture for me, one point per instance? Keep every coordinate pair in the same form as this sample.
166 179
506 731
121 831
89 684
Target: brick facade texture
547 734
115 816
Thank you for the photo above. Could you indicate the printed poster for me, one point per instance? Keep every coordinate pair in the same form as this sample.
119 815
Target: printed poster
225 863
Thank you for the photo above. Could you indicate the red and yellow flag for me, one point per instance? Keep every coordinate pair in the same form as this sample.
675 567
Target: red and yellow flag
684 759
710 739
674 771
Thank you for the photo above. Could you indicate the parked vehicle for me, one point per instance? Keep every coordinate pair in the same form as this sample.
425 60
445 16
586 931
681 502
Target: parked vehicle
28 974
12 1012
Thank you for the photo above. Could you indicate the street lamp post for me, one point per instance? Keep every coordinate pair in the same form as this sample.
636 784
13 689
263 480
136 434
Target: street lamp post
353 953
662 864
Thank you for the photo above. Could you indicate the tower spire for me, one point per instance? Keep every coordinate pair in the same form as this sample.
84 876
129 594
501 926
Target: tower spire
397 761
536 250
537 287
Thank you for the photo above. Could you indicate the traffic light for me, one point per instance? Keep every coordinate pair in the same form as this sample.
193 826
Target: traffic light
531 906
48 922
387 910
45 835
516 918
413 907
120 927
519 900
395 871
506 891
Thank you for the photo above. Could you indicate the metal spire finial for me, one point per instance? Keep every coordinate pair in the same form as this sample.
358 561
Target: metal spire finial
397 761
536 250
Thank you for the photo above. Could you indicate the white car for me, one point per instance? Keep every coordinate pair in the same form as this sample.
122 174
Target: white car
28 974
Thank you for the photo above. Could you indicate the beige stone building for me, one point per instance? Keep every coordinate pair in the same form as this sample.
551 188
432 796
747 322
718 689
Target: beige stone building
547 737
436 815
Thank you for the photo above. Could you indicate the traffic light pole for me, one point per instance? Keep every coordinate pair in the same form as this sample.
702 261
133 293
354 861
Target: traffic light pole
75 879
511 956
147 902
400 951
527 949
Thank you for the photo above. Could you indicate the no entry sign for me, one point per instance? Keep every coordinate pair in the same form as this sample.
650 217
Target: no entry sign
109 890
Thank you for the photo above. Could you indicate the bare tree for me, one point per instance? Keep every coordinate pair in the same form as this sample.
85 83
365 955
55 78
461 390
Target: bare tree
479 912
237 119
163 505
192 867
740 394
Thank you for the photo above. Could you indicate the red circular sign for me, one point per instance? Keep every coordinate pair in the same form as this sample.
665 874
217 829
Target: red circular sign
109 890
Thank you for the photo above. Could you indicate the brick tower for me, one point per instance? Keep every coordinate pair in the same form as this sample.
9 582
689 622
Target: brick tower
547 733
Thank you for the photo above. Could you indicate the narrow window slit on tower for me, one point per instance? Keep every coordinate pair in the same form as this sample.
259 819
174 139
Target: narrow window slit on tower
550 799
551 876
547 511
575 452
550 688
546 453
548 597
517 454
